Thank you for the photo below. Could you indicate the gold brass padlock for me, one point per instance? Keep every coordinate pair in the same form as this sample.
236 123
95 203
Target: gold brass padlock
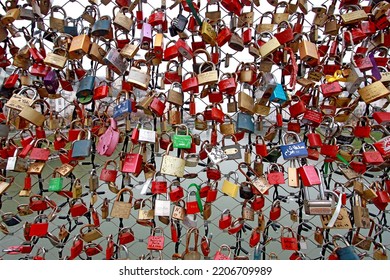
10 16
208 33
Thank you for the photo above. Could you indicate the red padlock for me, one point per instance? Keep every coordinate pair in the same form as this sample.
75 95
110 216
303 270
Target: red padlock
77 209
101 91
371 157
39 227
330 149
192 207
224 34
314 140
309 175
330 89
312 117
190 84
212 192
157 106
213 173
257 202
156 17
297 107
286 35
126 236
174 235
288 243
132 163
109 175
184 49
363 128
228 85
255 237
11 81
76 249
170 52
38 203
159 186
225 220
275 174
275 211
261 148
177 193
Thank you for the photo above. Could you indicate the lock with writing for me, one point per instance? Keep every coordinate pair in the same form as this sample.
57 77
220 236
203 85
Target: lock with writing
321 206
181 141
194 206
294 150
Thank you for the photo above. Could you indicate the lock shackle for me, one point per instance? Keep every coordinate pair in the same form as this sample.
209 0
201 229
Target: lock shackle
110 162
271 167
182 126
157 229
48 143
249 169
225 212
288 135
144 203
41 218
125 190
5 179
337 237
84 134
289 229
225 247
229 174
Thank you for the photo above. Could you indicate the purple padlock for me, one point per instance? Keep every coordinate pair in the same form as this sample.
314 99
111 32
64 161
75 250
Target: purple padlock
51 82
146 36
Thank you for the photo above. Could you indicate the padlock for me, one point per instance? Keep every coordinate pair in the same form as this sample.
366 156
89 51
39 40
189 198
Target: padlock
309 175
372 156
247 213
101 27
220 256
380 252
345 253
275 177
288 243
230 188
77 207
40 226
321 206
55 184
81 148
275 211
193 206
295 150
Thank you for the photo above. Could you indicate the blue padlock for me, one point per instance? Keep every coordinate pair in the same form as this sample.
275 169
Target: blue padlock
81 148
101 27
344 253
122 109
86 87
278 95
245 122
294 150
71 29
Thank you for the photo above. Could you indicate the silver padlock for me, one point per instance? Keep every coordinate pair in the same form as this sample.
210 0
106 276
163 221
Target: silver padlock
354 80
321 206
147 135
216 154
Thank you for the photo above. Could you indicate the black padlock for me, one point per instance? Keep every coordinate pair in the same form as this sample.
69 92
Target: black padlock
10 219
180 23
246 190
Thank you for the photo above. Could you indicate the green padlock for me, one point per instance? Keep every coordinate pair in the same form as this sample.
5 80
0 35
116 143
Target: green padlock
55 184
182 141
